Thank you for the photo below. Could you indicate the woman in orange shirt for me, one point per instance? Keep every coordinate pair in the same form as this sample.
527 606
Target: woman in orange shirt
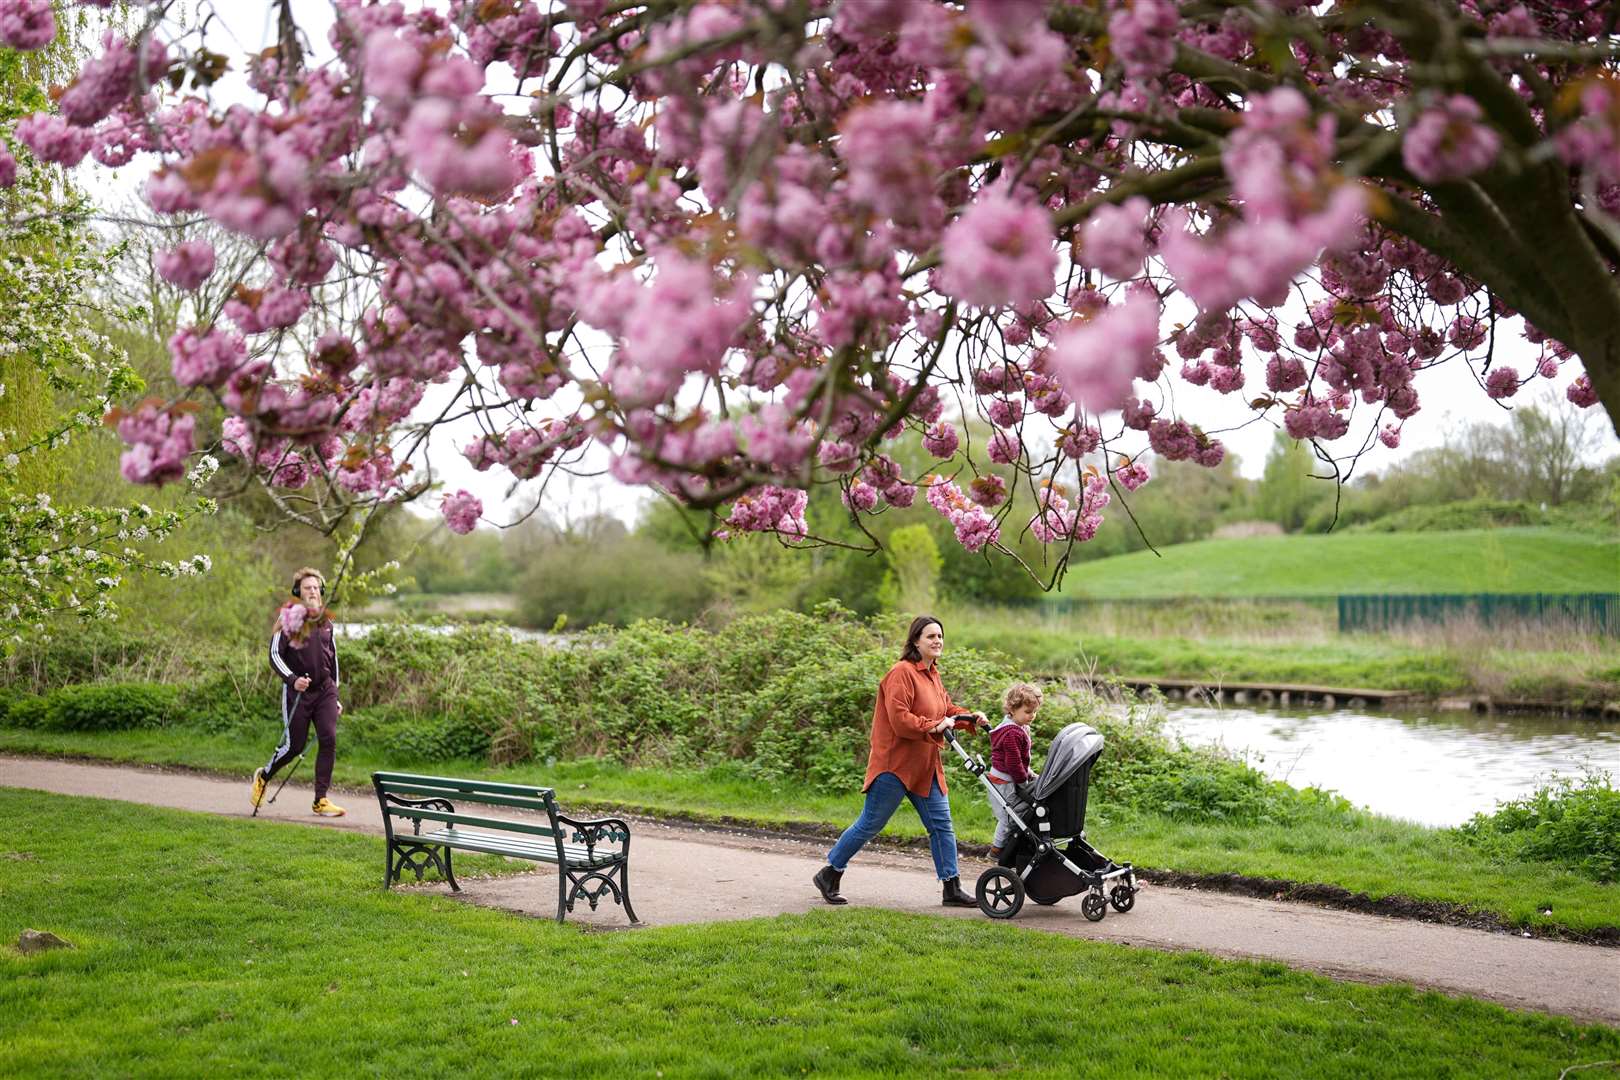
912 712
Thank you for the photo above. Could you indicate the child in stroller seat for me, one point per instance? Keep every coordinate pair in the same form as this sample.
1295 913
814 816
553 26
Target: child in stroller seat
1010 753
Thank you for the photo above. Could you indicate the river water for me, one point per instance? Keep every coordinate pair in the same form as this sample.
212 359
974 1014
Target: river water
1437 768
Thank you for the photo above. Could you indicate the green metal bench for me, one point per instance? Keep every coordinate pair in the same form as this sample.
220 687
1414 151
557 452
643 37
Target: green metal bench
592 857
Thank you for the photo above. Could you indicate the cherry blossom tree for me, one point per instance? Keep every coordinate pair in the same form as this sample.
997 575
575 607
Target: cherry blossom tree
738 246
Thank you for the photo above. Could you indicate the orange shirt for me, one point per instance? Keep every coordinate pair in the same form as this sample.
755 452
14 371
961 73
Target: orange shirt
910 700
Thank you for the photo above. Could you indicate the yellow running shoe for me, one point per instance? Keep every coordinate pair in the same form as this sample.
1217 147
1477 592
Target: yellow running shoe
257 798
327 808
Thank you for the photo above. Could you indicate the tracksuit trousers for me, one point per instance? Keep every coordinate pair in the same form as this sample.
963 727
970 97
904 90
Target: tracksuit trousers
317 706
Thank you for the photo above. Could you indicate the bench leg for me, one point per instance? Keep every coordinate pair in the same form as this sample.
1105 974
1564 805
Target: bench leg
624 884
580 885
449 872
562 891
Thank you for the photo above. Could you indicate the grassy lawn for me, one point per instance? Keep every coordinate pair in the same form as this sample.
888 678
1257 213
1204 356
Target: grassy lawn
1257 643
1358 851
271 950
1514 560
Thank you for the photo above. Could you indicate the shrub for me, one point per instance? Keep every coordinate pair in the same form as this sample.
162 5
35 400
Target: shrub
27 712
1573 824
411 737
109 707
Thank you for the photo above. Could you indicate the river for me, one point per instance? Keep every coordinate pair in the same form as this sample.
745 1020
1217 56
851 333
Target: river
1436 768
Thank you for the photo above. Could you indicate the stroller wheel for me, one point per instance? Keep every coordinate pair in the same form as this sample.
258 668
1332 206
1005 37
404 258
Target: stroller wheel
1000 893
1123 897
1094 907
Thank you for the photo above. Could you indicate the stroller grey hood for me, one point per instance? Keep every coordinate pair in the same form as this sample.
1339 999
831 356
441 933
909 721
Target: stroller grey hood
1071 748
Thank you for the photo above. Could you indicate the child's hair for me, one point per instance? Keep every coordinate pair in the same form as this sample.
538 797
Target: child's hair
1018 695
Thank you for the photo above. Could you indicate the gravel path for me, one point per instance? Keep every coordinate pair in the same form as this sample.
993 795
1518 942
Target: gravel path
683 874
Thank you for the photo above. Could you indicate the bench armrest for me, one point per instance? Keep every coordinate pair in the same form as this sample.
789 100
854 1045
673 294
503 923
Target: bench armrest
425 804
594 831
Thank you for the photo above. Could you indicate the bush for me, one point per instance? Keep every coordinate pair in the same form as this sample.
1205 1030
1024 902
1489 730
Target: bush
109 707
27 712
1575 825
782 698
411 737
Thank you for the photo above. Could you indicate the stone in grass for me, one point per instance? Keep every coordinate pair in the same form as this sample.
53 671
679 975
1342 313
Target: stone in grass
33 941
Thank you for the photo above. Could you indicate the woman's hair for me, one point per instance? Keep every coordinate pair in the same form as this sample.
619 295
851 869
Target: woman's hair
918 625
304 572
1018 695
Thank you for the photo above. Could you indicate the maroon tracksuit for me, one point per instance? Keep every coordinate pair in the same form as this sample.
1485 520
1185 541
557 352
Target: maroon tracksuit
317 658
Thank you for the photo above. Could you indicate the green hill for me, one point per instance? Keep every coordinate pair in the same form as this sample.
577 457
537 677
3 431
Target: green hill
1519 560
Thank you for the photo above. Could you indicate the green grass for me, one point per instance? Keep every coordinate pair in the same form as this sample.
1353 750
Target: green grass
1517 560
1282 644
271 950
1329 844
1377 665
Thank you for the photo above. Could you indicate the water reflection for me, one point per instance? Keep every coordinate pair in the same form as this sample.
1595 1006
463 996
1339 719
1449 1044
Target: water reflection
1438 769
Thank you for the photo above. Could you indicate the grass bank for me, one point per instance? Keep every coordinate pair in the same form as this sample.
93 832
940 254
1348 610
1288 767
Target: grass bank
1214 827
1245 641
1510 560
270 951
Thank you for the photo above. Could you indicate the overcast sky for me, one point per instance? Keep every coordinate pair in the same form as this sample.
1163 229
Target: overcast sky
1451 394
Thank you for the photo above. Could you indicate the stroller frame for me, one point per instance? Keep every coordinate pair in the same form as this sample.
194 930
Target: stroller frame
1001 890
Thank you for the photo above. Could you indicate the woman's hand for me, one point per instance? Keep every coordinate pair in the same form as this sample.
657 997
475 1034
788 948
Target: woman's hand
301 683
944 725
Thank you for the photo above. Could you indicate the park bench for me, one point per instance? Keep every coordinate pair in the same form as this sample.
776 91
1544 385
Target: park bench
592 857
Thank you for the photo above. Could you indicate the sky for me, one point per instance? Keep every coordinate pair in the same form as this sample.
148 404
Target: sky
1451 394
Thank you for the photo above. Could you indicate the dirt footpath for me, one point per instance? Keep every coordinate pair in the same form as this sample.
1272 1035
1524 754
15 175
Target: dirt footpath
682 874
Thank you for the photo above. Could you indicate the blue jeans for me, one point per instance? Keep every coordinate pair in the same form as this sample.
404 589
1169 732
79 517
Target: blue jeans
882 800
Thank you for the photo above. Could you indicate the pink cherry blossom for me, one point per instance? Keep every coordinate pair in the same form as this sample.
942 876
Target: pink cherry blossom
1502 382
158 444
53 139
1142 34
26 24
1114 240
1581 393
998 253
1097 360
1131 475
1448 142
291 617
940 440
205 357
461 511
187 264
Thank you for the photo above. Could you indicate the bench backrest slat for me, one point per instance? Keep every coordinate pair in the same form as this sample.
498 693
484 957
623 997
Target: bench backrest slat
426 791
467 788
458 818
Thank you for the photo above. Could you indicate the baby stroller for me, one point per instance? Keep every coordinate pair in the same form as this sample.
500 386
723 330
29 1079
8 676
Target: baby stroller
1048 857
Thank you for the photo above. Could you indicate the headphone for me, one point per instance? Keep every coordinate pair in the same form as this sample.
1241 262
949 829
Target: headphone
300 581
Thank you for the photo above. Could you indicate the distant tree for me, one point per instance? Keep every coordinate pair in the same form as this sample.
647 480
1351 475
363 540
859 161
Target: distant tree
1287 492
911 584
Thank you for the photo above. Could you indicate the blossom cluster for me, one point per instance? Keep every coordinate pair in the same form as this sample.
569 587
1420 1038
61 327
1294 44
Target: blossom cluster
738 253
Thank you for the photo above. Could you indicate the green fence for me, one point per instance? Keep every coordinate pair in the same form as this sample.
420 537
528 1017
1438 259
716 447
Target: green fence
1593 613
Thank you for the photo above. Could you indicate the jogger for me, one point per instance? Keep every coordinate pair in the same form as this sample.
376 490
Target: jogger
303 654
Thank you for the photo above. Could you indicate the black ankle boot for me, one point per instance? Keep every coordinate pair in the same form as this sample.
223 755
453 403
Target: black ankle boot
955 897
827 880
